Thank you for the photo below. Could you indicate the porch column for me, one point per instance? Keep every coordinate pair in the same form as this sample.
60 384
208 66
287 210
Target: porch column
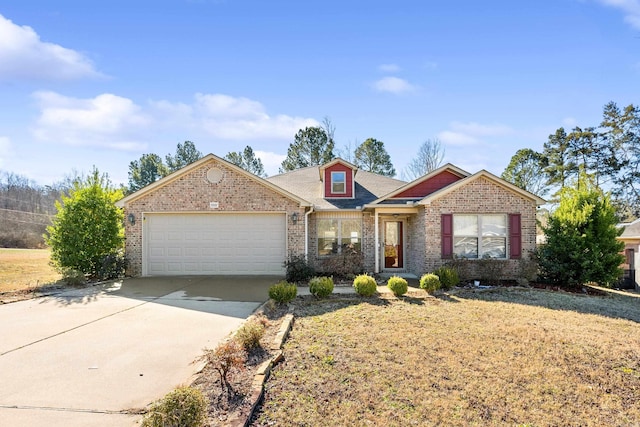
377 242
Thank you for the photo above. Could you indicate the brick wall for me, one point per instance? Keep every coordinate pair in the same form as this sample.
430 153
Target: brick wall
192 192
481 196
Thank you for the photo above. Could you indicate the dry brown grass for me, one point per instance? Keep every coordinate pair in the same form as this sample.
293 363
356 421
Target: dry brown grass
25 269
505 357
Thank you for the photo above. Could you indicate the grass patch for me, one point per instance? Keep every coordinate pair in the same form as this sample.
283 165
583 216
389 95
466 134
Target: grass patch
505 357
25 269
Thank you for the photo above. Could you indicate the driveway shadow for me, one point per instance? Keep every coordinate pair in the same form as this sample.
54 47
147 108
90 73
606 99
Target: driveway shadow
224 295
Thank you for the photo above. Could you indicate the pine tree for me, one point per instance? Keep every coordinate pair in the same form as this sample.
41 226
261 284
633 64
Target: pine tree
311 147
371 156
247 160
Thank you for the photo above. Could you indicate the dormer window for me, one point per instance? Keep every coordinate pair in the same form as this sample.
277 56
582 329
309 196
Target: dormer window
338 182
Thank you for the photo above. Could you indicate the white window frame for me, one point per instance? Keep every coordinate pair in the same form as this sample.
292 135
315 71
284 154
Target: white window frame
340 239
335 181
479 236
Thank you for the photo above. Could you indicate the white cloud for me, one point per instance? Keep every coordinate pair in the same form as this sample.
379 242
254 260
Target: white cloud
104 121
270 161
569 122
5 146
389 68
471 133
119 123
232 118
631 9
24 56
393 85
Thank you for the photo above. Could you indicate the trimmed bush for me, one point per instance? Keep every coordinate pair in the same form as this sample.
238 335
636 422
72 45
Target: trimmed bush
298 269
365 285
250 334
398 285
283 292
182 407
448 277
321 287
430 282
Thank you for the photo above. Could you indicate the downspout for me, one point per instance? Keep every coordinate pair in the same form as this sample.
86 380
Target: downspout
306 233
377 242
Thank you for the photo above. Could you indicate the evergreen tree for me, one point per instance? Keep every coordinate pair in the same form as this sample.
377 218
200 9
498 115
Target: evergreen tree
621 131
582 244
311 147
146 171
560 167
87 227
371 156
186 154
247 160
526 170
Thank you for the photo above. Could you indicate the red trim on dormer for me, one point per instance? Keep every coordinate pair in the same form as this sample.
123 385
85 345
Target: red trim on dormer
431 185
338 167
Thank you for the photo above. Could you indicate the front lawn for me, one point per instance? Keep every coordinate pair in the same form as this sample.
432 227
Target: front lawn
25 269
501 357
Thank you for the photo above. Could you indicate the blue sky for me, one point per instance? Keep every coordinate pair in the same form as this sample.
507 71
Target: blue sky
101 83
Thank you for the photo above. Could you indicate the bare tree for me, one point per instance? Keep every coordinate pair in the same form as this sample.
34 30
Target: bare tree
347 151
329 129
429 157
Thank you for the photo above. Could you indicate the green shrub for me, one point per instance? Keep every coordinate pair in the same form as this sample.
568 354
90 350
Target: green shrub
448 277
430 283
73 277
112 266
298 269
321 286
398 285
283 292
182 407
365 285
250 334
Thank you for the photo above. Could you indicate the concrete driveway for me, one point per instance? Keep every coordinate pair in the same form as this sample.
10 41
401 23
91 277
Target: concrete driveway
86 357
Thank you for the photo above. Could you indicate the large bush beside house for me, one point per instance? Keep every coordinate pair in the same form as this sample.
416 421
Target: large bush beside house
321 287
365 285
430 282
582 243
283 292
87 233
398 285
448 277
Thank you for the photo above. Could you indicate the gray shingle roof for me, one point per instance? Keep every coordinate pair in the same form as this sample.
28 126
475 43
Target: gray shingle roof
631 230
305 183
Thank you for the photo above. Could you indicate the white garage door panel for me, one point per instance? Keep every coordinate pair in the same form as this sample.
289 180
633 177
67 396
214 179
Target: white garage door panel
215 244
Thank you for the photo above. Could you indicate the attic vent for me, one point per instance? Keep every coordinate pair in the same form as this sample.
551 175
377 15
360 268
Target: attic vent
214 175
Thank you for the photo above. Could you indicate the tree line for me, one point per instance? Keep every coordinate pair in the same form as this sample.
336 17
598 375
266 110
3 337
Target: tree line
608 153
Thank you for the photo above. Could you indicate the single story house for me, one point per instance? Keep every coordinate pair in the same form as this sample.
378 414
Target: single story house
212 217
631 238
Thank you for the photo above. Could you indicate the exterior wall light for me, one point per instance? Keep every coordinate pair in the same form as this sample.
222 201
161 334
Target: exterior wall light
294 217
131 218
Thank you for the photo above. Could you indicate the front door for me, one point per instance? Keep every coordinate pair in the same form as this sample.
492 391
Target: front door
393 244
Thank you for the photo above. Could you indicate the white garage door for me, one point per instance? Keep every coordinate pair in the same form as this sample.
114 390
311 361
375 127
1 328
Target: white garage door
220 243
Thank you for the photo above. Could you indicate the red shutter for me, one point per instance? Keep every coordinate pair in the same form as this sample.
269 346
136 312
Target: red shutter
515 237
446 221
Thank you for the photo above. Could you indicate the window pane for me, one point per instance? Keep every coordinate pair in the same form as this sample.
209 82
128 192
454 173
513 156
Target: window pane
327 236
465 225
494 247
351 234
338 182
494 225
465 247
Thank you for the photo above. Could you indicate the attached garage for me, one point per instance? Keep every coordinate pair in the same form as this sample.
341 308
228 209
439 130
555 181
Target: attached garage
214 243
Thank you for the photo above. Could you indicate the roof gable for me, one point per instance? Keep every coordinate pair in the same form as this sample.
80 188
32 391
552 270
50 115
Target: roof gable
334 162
427 184
181 172
631 230
489 176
